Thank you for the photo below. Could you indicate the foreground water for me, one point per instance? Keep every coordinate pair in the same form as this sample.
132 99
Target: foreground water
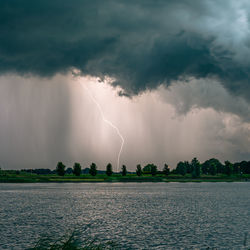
136 215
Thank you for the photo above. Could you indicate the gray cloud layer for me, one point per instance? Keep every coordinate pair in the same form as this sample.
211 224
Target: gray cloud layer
204 93
140 43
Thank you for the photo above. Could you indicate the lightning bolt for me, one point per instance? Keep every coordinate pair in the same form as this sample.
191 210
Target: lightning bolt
108 122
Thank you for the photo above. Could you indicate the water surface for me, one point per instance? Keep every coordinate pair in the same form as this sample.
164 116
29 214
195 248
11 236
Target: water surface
136 215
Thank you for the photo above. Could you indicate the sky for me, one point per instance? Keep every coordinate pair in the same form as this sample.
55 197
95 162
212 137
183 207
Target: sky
172 76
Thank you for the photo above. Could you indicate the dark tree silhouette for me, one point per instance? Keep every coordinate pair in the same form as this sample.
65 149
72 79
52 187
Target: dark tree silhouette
181 168
236 168
242 167
166 170
153 169
69 171
196 168
228 168
245 167
77 169
124 170
138 170
189 167
60 168
212 169
206 166
147 169
150 169
93 169
109 170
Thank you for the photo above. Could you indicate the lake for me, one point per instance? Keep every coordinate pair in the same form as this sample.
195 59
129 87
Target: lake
135 215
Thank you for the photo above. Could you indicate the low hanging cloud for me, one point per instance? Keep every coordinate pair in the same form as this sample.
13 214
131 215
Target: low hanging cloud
203 93
141 44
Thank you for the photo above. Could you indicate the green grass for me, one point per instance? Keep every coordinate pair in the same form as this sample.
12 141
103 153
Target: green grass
24 177
75 180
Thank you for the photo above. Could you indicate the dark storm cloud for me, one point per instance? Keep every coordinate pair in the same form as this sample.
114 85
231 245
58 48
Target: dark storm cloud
141 44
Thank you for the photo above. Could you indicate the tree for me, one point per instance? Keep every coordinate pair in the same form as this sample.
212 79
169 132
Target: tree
124 170
93 169
196 168
206 166
60 168
181 168
212 169
228 168
77 169
236 168
109 170
150 169
147 169
189 167
243 167
153 170
69 171
138 170
166 170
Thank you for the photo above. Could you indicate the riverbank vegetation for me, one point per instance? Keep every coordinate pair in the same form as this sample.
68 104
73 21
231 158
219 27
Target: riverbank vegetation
73 241
211 170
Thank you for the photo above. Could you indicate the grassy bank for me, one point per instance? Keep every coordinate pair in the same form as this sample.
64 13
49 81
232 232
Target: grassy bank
76 240
24 177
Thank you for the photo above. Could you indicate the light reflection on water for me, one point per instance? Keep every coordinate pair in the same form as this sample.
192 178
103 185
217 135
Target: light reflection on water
136 215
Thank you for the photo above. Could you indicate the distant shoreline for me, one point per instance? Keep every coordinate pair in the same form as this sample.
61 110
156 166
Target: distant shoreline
115 178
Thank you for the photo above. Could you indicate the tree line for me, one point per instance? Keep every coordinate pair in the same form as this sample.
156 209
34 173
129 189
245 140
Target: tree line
77 169
212 167
194 168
